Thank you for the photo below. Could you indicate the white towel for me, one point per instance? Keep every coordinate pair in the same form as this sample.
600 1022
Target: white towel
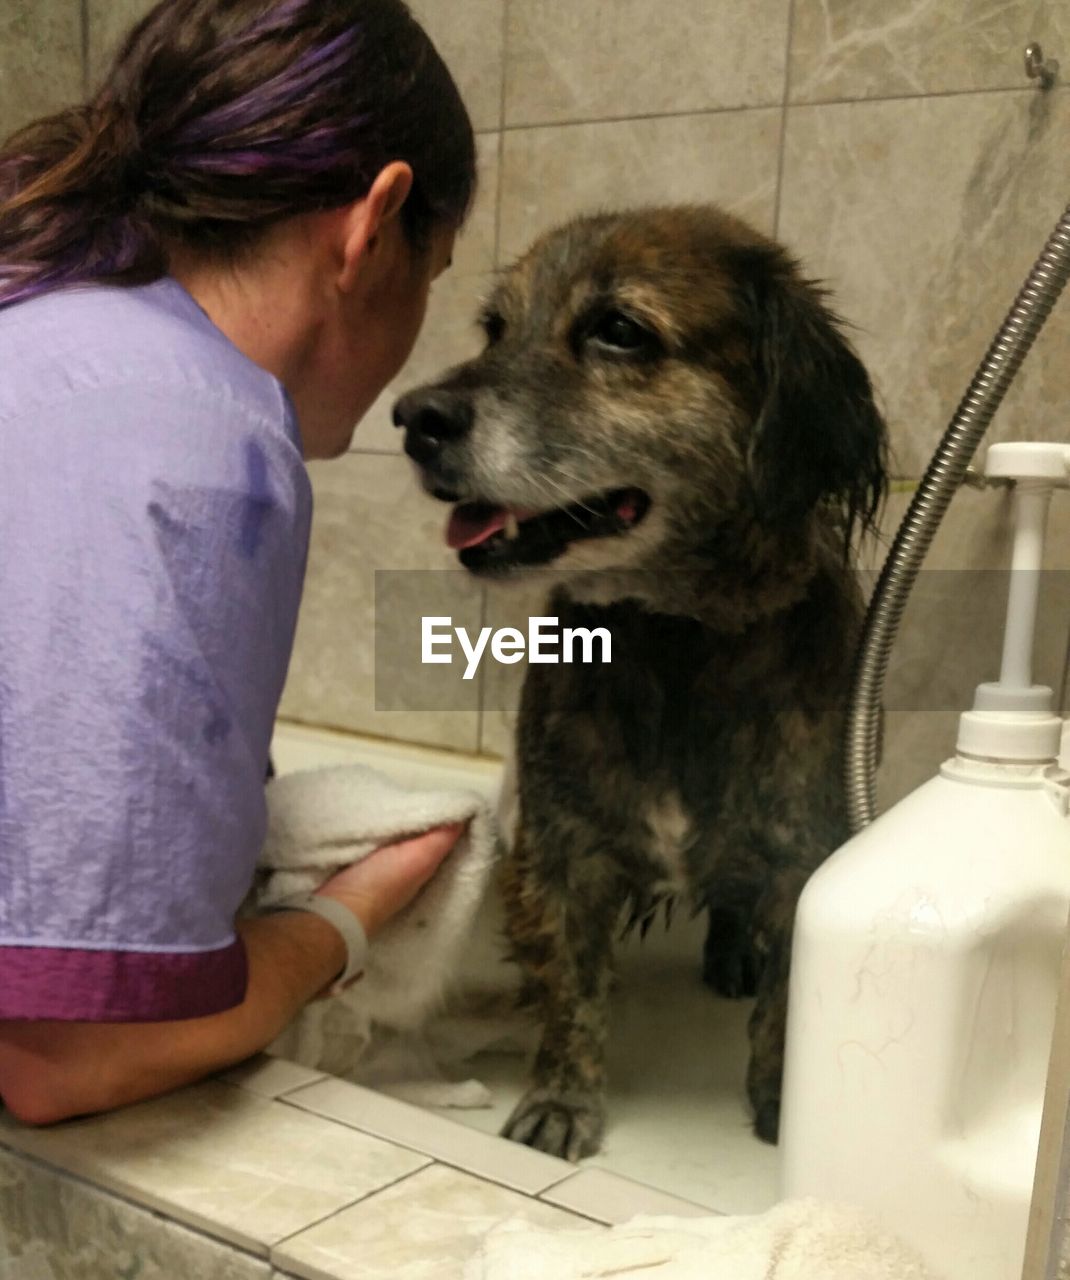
325 819
797 1240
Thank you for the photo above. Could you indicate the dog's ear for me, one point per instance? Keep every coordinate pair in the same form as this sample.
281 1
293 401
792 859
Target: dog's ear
818 435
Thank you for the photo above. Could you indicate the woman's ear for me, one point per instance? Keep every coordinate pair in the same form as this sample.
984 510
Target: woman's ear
819 435
369 218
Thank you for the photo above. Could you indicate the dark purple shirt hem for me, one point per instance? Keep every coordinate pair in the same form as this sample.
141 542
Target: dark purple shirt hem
120 986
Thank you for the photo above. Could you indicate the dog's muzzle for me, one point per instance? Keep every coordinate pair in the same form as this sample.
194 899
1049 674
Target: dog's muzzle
431 421
489 538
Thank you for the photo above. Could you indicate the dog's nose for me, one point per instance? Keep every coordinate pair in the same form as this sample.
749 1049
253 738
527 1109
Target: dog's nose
432 419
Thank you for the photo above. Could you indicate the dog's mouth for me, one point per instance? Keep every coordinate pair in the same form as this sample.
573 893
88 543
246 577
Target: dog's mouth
494 539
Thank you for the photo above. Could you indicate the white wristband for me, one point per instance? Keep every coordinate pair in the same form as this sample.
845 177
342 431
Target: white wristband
347 924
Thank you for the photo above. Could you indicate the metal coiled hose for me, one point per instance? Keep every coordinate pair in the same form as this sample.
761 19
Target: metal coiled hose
990 383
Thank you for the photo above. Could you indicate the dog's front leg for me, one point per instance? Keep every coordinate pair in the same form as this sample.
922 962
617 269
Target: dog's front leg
562 935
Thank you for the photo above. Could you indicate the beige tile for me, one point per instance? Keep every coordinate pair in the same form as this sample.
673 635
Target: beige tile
425 1228
474 251
246 1170
56 1228
40 59
924 216
618 58
370 516
916 743
880 48
269 1077
449 336
550 175
608 1198
517 1167
468 35
109 23
951 636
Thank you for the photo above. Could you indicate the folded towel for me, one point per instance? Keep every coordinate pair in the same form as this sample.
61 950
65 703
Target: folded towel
324 819
797 1240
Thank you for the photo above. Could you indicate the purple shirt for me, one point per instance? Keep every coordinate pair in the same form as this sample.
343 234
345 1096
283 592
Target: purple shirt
154 518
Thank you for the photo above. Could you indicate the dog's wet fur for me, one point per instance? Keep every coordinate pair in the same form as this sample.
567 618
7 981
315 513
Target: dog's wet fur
690 444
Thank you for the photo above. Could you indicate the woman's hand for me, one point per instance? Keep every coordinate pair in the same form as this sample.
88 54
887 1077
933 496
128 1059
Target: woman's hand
44 1076
382 884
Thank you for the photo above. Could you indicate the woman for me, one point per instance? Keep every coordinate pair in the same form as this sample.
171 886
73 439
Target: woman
207 274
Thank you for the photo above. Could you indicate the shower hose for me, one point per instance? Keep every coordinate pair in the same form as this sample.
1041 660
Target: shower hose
945 473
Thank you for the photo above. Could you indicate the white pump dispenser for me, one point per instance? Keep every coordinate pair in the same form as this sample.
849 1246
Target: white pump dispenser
1015 719
926 965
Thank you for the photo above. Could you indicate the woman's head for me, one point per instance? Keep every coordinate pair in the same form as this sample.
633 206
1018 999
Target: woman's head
218 120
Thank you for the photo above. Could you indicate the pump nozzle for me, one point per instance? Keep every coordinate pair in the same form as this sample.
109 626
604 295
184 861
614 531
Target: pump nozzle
1015 719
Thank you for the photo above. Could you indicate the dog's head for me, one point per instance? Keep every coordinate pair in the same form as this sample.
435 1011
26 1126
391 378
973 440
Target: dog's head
656 386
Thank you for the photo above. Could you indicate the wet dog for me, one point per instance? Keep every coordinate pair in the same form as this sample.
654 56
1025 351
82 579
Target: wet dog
668 420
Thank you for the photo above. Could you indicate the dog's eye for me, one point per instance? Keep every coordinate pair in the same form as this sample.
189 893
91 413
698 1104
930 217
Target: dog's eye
622 333
493 326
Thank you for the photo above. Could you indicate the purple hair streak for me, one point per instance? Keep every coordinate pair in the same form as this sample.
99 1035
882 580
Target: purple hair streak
220 118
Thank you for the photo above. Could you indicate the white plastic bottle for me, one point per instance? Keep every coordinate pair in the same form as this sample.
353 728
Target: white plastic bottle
926 964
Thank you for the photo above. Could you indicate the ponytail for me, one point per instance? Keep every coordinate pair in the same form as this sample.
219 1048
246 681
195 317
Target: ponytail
220 118
69 206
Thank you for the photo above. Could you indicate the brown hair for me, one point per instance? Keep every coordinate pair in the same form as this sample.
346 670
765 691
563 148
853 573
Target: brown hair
219 118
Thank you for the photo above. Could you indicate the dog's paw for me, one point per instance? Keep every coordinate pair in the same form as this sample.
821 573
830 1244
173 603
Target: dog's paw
731 969
767 1121
567 1126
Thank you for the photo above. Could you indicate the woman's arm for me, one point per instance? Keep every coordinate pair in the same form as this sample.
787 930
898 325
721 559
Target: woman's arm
51 1070
54 1070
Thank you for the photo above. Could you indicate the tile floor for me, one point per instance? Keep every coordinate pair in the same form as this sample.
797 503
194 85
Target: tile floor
677 1112
275 1170
272 1171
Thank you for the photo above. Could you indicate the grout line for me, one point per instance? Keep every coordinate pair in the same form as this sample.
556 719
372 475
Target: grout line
375 453
300 1088
309 1084
491 1179
501 138
784 106
382 738
396 1182
452 757
583 1216
573 1173
622 1177
433 1160
484 609
639 115
86 86
1064 685
773 106
936 93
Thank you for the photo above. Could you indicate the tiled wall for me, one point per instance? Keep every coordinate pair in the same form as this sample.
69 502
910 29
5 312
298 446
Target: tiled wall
895 145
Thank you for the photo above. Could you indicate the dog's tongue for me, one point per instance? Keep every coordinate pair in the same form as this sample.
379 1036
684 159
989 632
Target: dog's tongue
473 523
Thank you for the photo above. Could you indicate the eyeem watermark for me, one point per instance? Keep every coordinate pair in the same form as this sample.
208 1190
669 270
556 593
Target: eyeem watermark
545 642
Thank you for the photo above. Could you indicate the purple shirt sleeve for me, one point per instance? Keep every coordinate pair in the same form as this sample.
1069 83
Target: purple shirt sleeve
153 534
